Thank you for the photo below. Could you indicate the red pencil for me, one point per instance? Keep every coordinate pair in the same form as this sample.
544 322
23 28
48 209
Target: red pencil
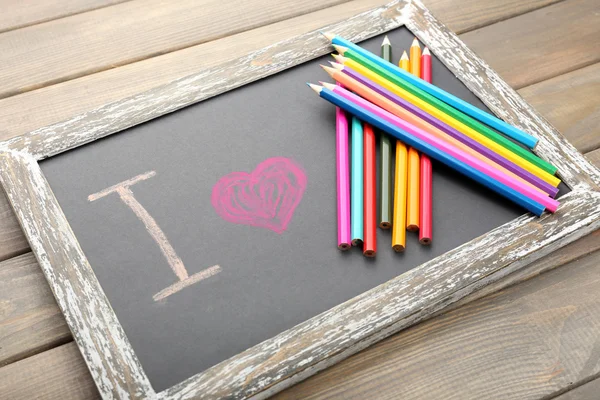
425 187
370 200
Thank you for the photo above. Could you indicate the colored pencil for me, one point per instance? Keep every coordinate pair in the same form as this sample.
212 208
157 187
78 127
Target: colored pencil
492 145
370 202
413 208
412 204
343 181
415 58
381 119
400 182
493 156
447 109
356 186
511 131
390 106
385 151
426 182
458 153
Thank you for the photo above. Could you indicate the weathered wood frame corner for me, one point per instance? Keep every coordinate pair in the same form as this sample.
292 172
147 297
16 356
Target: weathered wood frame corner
344 330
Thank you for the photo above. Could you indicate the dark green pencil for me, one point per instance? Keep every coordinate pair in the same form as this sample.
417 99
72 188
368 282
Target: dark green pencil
385 147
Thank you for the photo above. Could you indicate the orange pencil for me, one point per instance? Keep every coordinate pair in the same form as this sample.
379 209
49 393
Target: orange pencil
414 163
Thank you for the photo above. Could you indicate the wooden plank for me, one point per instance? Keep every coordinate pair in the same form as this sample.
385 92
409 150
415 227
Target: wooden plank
541 44
61 101
30 321
57 374
473 14
571 102
17 14
82 44
527 342
594 157
587 391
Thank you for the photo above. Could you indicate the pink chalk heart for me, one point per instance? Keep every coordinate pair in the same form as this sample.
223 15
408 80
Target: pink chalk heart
265 197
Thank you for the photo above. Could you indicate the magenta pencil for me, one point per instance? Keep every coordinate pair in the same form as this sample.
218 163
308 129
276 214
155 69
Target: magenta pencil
451 150
343 179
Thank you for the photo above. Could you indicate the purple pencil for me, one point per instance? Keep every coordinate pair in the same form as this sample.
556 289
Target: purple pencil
343 179
492 155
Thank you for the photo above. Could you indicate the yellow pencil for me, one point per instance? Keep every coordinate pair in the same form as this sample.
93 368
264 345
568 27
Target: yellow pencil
400 182
473 134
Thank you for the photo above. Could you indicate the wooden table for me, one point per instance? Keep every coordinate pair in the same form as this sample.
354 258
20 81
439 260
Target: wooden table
538 339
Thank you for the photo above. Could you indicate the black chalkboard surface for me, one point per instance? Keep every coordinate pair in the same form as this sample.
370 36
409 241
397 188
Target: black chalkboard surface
242 283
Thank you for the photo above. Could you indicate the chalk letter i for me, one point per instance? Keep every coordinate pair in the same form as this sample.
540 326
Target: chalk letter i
126 195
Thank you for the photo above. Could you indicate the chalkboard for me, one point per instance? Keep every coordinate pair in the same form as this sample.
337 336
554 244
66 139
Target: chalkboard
193 286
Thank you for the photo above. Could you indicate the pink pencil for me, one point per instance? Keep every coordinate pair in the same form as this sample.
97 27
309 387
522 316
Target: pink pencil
343 179
500 176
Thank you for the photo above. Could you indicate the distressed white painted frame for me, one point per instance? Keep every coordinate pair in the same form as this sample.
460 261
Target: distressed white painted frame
335 334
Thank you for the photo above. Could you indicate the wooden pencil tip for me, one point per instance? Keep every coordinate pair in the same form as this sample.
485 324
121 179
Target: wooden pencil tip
329 70
415 43
404 56
339 58
386 41
336 65
328 85
328 35
426 51
340 49
314 87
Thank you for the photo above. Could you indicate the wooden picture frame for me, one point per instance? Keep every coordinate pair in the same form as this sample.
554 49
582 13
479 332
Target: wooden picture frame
326 339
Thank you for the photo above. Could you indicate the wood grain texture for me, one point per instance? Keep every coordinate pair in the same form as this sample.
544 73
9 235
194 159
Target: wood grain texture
572 42
17 14
527 342
57 374
12 240
571 102
30 321
413 351
75 46
594 157
62 101
340 332
95 327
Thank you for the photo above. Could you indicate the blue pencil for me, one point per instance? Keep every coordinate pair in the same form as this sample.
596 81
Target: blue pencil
424 147
356 184
511 131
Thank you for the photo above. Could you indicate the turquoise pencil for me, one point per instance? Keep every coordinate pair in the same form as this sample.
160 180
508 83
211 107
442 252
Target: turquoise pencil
356 185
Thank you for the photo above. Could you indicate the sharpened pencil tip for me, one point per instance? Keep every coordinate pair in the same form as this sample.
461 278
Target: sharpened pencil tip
415 43
314 87
336 65
329 70
404 56
426 51
339 58
340 49
328 35
328 85
386 41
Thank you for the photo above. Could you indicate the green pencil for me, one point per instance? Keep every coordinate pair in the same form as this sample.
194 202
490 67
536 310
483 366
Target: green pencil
385 147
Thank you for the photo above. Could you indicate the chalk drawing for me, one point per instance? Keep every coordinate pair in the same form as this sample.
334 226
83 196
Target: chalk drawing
124 191
265 197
